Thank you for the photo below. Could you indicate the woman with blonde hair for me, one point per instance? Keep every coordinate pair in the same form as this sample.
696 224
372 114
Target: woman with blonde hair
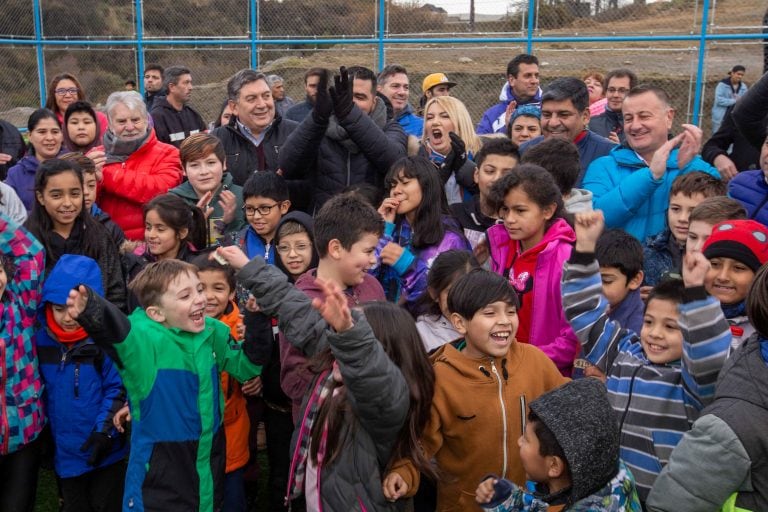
450 142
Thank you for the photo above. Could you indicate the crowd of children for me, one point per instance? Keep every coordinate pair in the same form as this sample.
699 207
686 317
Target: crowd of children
505 352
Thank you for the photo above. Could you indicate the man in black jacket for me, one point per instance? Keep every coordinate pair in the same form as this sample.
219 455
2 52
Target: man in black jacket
153 84
174 119
348 138
255 135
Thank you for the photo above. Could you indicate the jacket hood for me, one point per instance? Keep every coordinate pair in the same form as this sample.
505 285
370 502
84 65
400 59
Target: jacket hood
506 95
580 200
29 164
591 449
559 230
308 222
474 369
70 271
745 375
186 191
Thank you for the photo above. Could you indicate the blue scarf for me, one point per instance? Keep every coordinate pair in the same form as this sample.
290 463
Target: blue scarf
734 310
764 349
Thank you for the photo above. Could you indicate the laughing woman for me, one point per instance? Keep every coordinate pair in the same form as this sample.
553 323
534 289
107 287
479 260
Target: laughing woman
449 141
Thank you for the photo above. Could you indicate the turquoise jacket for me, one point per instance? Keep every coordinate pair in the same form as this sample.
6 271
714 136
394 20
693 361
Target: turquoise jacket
624 189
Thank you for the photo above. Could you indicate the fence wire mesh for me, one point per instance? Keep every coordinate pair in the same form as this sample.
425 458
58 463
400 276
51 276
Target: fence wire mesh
106 42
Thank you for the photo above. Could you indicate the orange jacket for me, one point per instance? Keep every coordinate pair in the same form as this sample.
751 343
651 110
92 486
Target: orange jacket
236 423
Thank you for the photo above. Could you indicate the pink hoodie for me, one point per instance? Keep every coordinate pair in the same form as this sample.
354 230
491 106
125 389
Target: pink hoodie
549 331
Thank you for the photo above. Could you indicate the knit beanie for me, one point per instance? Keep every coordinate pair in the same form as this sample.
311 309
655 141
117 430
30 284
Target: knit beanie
526 110
745 241
584 423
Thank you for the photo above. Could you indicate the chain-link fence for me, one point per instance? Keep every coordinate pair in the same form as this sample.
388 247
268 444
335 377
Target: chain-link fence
686 46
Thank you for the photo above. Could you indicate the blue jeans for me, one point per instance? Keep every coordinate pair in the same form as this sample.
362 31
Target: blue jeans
234 491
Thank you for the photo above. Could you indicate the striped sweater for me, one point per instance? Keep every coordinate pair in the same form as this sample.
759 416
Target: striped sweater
655 403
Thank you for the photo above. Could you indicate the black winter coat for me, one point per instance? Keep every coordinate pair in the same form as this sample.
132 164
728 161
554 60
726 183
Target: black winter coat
173 126
751 112
310 153
244 159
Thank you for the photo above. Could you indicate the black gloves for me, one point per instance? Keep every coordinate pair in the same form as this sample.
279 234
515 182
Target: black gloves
455 159
99 444
341 93
323 104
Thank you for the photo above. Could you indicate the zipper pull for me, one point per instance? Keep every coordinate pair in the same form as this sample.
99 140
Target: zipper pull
77 380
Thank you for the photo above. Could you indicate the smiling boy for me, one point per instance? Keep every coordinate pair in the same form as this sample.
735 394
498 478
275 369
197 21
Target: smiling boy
209 186
658 380
170 357
482 384
663 253
736 249
265 201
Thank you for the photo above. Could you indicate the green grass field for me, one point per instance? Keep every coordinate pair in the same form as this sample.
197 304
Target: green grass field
48 501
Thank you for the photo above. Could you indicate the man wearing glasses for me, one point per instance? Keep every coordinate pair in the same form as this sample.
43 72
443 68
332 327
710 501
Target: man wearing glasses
610 124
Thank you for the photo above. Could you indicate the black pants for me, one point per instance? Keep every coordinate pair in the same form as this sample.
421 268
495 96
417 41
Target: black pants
18 478
100 490
279 426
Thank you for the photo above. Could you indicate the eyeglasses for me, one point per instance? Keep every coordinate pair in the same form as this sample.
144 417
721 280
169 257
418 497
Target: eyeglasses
64 92
614 90
263 209
300 247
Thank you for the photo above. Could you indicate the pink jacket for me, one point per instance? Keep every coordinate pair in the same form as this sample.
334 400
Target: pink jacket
550 331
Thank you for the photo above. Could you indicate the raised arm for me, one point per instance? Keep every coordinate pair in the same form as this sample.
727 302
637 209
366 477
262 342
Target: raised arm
583 302
706 334
298 320
102 320
365 368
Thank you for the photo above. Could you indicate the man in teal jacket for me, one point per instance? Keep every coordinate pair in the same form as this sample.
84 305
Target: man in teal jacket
632 183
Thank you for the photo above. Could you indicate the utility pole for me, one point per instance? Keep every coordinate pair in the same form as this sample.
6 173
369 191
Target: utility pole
471 15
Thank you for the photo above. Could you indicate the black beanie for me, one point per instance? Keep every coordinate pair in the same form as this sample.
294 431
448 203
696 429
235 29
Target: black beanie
584 423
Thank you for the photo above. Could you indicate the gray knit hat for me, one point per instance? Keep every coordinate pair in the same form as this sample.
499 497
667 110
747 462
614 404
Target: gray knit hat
584 423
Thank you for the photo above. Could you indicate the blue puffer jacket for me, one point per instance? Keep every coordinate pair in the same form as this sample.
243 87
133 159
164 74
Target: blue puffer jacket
83 390
631 199
411 123
662 257
750 188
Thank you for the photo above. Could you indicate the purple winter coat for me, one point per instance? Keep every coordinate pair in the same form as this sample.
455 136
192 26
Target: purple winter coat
21 177
406 280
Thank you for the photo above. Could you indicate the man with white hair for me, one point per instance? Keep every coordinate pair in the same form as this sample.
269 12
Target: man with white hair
137 166
282 101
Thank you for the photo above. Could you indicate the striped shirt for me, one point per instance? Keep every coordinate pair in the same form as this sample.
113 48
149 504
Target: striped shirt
655 403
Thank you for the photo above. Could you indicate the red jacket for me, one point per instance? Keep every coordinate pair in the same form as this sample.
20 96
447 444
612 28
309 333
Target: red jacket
151 170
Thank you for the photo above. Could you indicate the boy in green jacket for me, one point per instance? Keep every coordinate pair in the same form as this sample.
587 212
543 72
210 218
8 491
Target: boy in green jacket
169 355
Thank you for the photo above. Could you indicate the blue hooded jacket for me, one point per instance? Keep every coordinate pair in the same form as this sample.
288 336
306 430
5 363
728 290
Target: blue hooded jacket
83 390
